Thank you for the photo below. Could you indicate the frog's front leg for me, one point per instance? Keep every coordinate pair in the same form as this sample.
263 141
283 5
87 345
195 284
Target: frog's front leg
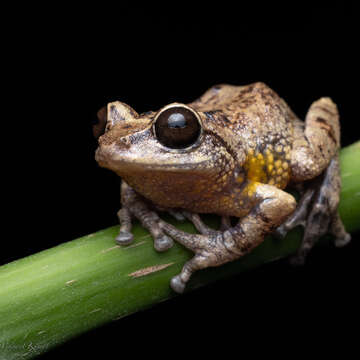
134 205
219 247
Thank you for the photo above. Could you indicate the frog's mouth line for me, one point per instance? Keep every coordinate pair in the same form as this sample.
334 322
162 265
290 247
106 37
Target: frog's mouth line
143 166
123 166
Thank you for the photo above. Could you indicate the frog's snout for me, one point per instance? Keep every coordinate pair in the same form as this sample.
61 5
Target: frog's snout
109 155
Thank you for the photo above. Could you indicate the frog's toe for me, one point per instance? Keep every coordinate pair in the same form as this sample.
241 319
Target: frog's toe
177 215
177 284
342 241
298 217
163 243
280 232
199 224
124 238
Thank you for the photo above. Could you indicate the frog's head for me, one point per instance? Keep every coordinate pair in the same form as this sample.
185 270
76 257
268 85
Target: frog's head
171 146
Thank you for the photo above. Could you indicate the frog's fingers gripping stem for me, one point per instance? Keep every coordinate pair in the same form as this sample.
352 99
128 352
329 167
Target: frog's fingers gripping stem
134 205
217 248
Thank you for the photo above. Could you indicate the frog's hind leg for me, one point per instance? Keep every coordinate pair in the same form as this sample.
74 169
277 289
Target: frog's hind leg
315 156
319 214
219 247
318 143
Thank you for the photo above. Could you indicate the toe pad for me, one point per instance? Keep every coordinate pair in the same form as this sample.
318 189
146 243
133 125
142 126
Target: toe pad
124 238
163 243
177 285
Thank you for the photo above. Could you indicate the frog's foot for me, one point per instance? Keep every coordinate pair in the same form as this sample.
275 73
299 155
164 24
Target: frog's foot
202 258
298 217
149 220
317 213
214 248
135 206
209 251
341 237
125 237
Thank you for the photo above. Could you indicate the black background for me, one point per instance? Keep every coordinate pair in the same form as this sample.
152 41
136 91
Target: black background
63 64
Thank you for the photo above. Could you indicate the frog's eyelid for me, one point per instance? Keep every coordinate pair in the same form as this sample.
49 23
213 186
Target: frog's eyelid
176 104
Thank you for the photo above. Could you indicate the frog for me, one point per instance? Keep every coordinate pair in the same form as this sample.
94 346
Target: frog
232 152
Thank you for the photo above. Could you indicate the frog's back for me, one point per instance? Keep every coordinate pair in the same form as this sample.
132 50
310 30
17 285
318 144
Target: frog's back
262 122
248 108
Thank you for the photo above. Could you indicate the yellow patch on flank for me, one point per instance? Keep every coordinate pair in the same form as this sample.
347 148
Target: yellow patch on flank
270 158
251 188
255 168
263 168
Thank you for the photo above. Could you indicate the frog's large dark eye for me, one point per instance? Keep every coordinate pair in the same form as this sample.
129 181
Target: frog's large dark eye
177 127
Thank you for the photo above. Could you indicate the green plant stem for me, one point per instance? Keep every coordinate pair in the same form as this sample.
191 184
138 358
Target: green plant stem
59 293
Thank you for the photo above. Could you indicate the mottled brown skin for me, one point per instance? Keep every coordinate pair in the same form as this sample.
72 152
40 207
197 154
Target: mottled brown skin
250 148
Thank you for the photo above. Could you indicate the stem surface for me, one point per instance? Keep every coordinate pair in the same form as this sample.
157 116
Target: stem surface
62 292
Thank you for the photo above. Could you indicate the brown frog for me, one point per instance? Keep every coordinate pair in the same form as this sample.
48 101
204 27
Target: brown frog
231 152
